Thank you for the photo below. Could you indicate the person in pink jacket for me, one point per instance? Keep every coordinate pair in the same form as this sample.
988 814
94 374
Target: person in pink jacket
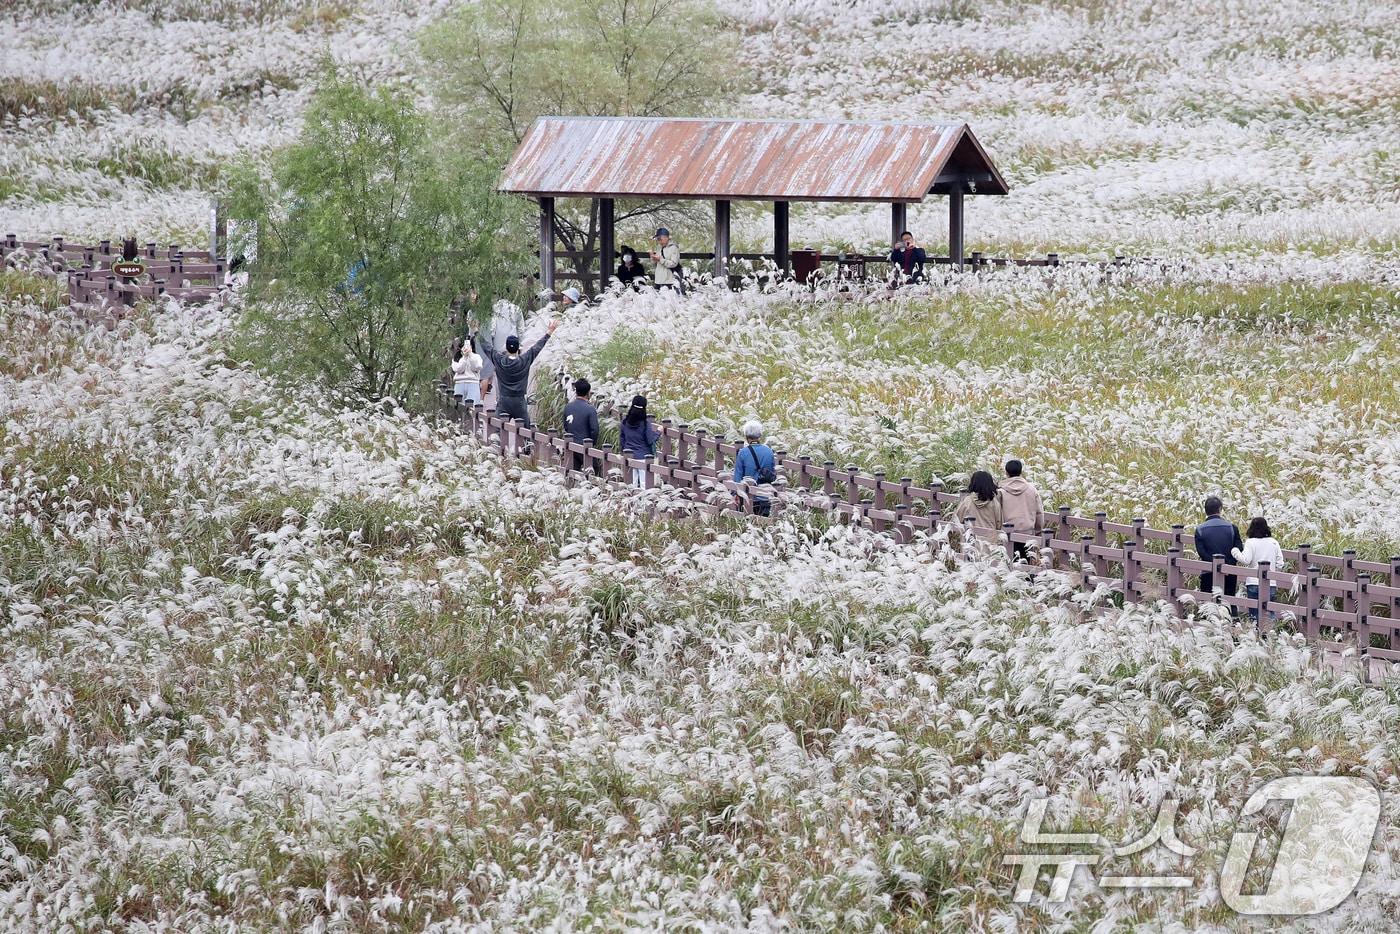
1020 504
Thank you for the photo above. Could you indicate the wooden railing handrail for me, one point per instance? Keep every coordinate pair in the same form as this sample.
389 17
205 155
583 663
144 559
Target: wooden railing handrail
696 463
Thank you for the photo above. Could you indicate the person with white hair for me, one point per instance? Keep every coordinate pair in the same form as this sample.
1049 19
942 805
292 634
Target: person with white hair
755 461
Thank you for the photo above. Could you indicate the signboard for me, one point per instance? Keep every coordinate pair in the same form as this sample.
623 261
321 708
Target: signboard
128 268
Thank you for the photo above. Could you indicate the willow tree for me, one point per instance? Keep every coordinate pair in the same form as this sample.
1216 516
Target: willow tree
496 65
368 231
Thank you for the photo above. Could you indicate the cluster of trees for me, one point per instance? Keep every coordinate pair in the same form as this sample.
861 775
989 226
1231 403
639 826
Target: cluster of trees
384 214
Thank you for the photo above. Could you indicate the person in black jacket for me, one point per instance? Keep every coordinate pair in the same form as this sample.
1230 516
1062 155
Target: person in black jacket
909 258
1215 536
630 270
581 419
513 374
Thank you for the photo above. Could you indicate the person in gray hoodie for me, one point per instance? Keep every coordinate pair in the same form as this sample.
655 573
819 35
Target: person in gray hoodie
513 375
1020 504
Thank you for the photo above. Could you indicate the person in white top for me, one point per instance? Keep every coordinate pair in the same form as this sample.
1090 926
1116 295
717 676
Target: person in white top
1259 546
466 372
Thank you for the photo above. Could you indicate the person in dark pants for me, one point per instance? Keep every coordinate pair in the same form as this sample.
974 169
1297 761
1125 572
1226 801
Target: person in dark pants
581 419
1215 536
909 258
513 375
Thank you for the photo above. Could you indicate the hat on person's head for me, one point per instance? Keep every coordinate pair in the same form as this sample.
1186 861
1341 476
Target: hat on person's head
582 387
512 344
661 232
573 295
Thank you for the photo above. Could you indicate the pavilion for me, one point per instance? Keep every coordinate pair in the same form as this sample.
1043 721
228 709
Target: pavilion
607 158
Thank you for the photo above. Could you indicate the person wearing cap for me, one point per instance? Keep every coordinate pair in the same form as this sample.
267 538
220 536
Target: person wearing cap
513 375
667 259
581 419
572 296
506 319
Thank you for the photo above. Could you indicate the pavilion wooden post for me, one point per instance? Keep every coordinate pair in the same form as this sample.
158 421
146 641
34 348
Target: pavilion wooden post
607 233
782 254
899 221
547 245
955 227
722 241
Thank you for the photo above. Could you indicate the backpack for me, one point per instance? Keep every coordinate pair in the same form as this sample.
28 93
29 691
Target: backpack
768 474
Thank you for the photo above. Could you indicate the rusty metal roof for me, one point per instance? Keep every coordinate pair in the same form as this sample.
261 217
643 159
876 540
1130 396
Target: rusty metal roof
747 160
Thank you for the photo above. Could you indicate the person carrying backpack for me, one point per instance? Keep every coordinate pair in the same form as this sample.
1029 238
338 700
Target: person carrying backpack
756 461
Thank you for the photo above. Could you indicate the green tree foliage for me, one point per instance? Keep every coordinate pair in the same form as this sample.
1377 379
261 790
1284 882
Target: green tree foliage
496 65
367 231
502 63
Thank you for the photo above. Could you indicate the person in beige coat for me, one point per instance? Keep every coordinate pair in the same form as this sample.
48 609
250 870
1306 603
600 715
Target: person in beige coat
1020 504
982 504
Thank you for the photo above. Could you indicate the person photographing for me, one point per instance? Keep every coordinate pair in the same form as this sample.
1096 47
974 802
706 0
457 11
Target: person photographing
666 258
909 258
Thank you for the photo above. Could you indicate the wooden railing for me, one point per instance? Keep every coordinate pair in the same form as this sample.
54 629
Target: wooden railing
877 266
190 275
1339 603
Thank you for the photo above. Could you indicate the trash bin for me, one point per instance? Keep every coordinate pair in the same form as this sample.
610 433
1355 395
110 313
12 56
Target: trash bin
804 263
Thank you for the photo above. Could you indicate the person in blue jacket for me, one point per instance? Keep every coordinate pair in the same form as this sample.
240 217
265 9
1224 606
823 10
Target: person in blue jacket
1216 536
756 461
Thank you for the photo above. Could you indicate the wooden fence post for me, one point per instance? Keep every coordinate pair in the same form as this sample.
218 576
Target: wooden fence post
903 533
1174 578
513 436
665 451
1008 529
1100 539
1311 599
829 478
649 481
1363 616
806 472
682 442
1261 599
1349 575
1130 572
1394 582
719 453
852 488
